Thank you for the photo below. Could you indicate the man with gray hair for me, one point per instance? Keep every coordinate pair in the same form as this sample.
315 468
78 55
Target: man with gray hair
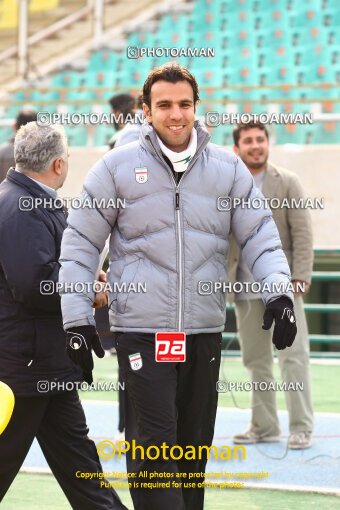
33 361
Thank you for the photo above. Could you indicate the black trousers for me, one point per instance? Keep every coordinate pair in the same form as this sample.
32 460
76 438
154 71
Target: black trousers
58 422
174 403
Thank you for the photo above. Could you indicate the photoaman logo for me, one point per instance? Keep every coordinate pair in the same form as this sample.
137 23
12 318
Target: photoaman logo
109 449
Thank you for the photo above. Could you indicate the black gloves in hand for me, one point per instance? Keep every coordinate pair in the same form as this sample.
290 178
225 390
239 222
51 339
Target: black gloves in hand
282 310
79 344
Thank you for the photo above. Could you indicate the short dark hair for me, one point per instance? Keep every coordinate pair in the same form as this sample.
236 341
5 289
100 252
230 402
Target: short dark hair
245 126
124 103
173 73
24 117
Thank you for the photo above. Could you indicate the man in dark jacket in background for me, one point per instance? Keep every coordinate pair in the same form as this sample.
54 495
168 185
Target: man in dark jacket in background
33 361
7 149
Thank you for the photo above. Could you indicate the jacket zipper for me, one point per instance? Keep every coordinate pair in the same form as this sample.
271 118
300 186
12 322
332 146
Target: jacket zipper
180 261
179 236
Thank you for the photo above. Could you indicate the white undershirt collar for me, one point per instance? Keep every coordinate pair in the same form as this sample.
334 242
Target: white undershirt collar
180 160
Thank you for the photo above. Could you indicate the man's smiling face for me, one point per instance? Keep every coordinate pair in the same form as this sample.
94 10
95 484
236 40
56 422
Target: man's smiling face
253 148
172 113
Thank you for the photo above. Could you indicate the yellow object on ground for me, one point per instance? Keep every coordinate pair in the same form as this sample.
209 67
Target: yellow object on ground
6 405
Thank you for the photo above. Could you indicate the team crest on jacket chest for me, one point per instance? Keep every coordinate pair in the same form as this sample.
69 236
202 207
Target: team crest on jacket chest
141 174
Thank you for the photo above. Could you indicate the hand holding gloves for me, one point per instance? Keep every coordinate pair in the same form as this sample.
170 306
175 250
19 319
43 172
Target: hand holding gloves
282 311
79 344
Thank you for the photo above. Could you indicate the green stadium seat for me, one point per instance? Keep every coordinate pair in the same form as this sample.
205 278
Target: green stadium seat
315 54
10 112
317 74
278 57
102 135
308 35
229 94
77 106
307 17
239 5
295 133
331 103
23 95
239 20
67 79
106 78
294 90
172 39
45 95
223 135
208 39
235 5
73 86
295 108
203 6
207 77
326 132
102 59
226 56
122 80
98 82
332 36
173 23
81 92
141 64
274 38
331 18
251 107
205 21
295 5
276 19
330 4
244 38
76 135
268 5
241 76
133 39
43 107
262 94
243 68
276 75
292 133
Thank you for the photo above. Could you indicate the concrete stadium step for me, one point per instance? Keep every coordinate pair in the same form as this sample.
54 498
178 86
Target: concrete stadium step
8 38
50 51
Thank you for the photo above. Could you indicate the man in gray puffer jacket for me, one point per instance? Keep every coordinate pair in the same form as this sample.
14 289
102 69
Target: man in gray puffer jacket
172 237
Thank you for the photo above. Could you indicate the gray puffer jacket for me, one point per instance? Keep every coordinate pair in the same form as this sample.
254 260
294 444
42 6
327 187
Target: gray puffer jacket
168 238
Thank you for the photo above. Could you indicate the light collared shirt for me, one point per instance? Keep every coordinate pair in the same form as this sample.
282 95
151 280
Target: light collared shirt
46 188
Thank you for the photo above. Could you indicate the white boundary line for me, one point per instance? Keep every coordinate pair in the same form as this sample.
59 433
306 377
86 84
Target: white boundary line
114 403
313 361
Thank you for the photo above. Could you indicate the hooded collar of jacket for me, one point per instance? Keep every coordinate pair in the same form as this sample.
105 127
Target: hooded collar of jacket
148 140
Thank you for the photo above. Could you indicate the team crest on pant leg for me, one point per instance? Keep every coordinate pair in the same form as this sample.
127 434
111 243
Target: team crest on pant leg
141 174
136 362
